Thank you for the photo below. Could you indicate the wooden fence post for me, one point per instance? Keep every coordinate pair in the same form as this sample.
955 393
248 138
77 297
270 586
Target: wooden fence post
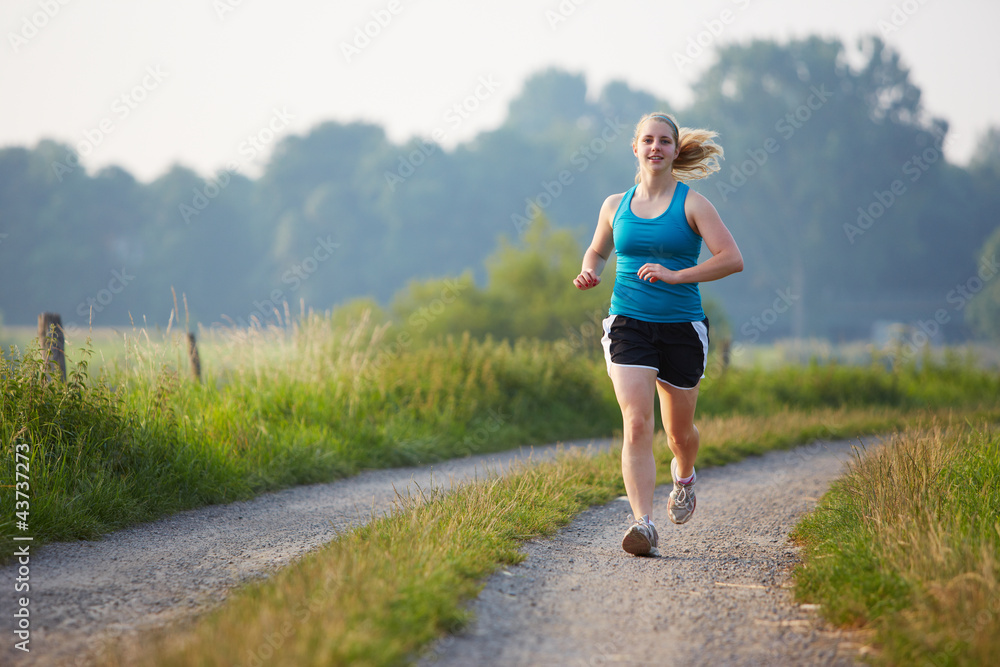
52 341
193 357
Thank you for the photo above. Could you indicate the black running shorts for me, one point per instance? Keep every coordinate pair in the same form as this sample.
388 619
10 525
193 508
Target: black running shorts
676 351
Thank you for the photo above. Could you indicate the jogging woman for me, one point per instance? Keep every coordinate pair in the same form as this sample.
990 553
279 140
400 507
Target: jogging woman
656 335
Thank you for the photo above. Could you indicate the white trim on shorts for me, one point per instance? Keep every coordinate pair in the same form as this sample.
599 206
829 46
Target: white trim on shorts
703 337
699 328
606 344
702 331
670 384
606 341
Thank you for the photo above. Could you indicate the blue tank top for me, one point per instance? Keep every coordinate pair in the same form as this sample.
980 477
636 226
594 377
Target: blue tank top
666 240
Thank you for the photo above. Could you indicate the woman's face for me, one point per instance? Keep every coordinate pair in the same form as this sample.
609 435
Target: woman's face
655 147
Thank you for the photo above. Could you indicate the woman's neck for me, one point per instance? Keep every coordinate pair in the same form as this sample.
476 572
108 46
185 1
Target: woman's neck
654 186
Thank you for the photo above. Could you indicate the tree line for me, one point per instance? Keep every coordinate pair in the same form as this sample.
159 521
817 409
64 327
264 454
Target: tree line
835 185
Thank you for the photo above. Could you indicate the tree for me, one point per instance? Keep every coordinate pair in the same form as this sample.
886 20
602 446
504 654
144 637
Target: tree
529 293
981 294
206 239
810 140
618 99
551 101
834 185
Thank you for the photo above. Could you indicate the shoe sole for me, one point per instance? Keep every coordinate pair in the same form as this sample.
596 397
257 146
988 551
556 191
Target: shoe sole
636 543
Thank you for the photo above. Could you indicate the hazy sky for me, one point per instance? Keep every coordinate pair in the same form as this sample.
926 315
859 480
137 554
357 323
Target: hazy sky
147 84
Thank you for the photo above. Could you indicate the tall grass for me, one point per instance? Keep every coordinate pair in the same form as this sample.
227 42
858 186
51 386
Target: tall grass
323 398
908 544
279 407
88 451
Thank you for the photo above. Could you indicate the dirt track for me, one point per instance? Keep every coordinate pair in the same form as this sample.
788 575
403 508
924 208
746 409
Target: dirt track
713 596
85 593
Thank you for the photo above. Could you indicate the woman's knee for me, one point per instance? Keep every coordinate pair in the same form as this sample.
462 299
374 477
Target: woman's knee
638 424
685 436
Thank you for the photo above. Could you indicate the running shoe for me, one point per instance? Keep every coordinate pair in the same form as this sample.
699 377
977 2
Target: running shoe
641 537
681 504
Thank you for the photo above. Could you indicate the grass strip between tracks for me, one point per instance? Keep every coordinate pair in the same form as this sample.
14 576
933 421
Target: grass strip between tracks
380 594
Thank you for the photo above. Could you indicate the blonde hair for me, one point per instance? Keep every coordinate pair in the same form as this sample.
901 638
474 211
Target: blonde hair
699 155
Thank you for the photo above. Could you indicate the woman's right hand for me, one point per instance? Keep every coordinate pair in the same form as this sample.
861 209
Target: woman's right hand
587 279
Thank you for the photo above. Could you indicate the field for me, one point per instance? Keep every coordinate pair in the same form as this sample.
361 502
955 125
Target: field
131 437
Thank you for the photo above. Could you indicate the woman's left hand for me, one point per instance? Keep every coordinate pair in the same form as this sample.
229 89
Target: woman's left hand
654 272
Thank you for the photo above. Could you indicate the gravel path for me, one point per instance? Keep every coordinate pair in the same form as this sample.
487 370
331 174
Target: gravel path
577 599
85 593
716 594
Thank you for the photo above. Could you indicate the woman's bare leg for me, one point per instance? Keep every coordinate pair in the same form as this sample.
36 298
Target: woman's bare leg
635 389
677 407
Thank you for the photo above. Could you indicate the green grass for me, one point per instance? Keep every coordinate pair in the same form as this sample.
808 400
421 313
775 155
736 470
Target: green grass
952 381
278 408
324 399
907 546
379 594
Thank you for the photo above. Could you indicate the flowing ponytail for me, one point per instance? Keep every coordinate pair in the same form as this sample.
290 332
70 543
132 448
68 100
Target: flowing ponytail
699 154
